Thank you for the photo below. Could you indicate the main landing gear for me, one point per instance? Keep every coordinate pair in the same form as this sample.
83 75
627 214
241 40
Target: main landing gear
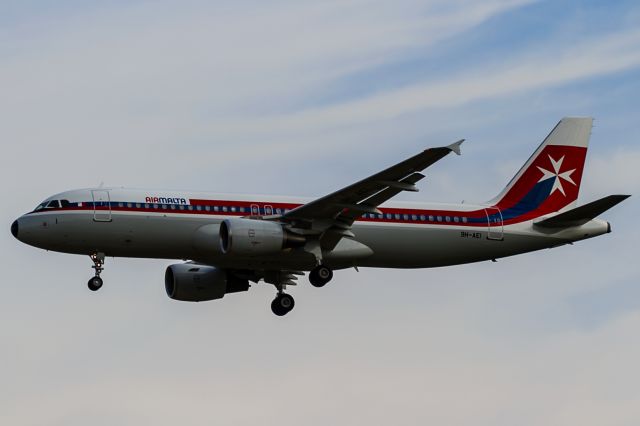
95 283
320 276
282 304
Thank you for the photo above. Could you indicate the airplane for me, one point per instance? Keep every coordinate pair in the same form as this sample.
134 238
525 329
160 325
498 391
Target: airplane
227 242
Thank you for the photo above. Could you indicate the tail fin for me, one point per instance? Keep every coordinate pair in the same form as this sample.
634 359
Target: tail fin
550 180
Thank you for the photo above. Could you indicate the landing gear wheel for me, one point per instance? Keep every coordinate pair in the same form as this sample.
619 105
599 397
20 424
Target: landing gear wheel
95 283
320 276
282 304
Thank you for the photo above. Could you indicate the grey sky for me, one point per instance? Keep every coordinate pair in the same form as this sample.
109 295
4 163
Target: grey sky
301 98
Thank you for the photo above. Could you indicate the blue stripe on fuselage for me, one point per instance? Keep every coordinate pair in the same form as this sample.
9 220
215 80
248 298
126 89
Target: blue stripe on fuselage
531 201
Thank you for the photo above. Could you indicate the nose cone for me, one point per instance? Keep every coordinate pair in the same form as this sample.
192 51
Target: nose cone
14 228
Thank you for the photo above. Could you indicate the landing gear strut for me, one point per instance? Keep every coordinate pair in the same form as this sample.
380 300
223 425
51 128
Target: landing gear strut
95 283
320 275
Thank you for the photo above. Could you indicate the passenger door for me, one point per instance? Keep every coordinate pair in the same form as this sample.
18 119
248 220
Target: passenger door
101 205
495 230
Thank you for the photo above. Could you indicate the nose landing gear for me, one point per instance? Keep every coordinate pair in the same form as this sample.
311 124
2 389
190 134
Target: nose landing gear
96 282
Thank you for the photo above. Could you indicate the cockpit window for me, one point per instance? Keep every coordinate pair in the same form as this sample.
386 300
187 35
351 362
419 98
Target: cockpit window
64 203
52 204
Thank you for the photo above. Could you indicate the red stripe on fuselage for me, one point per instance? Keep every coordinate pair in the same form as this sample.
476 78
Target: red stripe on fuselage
184 209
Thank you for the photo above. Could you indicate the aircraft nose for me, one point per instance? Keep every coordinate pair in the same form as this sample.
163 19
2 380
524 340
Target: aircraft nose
14 228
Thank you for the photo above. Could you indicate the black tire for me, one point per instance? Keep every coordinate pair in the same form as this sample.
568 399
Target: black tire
95 283
320 276
282 304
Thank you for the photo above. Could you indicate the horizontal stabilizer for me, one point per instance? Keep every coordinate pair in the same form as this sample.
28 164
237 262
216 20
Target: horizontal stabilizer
583 214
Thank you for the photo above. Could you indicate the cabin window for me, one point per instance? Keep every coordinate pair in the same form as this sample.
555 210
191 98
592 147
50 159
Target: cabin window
120 205
224 209
456 219
464 220
207 208
414 217
233 209
164 207
173 206
181 207
439 218
448 219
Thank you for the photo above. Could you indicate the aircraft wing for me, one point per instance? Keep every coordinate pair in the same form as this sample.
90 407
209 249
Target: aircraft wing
336 212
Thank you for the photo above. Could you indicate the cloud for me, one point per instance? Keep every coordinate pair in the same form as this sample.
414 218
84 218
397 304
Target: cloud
544 68
615 172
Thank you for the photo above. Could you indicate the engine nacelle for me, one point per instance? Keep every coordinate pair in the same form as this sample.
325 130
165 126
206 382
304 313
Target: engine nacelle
250 236
190 282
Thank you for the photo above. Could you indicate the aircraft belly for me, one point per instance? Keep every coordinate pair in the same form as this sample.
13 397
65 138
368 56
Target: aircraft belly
155 236
424 247
196 238
148 236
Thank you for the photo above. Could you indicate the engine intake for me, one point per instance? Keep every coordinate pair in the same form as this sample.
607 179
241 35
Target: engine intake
250 236
190 282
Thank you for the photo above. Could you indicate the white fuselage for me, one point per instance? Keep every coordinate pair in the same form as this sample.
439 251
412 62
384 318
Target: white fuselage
178 225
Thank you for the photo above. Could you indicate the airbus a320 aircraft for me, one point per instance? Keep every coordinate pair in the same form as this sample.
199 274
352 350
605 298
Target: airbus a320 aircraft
231 241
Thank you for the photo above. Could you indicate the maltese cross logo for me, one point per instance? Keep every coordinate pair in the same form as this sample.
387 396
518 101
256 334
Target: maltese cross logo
557 175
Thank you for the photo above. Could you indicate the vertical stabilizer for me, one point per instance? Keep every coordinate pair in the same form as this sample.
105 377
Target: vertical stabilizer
550 180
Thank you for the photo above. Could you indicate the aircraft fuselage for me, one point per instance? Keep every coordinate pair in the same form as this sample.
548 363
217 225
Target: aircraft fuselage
159 224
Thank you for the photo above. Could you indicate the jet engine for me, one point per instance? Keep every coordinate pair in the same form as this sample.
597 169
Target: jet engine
191 282
250 236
